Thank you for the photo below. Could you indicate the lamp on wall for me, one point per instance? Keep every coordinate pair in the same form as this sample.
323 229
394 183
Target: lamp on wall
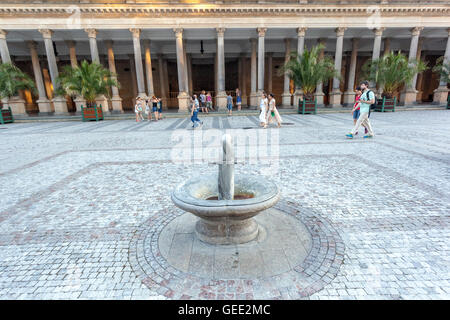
201 47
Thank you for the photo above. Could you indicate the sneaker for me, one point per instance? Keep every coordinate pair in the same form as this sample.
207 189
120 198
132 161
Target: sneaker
367 136
356 133
365 131
350 136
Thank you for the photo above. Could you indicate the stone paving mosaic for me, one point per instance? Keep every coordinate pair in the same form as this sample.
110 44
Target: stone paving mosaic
82 205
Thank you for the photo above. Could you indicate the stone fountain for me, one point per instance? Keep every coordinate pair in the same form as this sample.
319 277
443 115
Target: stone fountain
224 203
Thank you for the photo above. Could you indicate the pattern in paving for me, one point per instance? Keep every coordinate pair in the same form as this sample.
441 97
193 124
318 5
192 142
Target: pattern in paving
80 200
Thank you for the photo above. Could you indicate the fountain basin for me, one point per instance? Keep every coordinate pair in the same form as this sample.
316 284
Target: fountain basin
226 221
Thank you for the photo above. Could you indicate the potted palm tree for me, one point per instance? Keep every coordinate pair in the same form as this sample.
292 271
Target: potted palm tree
12 79
391 72
443 68
307 71
88 80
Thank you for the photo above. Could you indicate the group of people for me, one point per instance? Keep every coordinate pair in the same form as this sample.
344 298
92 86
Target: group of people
149 106
268 110
361 110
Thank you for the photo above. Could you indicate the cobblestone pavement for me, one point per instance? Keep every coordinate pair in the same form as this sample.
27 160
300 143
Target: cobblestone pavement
82 206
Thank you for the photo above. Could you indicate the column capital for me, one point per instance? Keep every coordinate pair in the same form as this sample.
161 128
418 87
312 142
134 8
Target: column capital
301 31
416 31
92 33
220 32
46 33
70 43
261 31
378 31
136 32
31 44
146 42
3 34
340 31
108 43
178 32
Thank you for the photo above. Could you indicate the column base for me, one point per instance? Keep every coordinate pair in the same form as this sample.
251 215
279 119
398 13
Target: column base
183 102
349 98
254 100
286 99
319 98
60 105
335 99
45 107
221 101
17 106
102 101
408 98
440 96
79 101
244 100
116 103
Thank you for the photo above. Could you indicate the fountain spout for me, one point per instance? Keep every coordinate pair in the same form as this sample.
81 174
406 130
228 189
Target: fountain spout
226 170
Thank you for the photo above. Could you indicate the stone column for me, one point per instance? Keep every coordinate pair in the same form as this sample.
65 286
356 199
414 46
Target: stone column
148 68
419 76
376 50
59 103
253 93
440 95
189 72
243 86
408 97
186 66
221 97
4 51
335 95
269 71
92 34
79 101
138 62
116 100
183 97
133 77
261 60
16 103
387 46
300 48
162 80
286 96
215 73
319 89
43 102
349 95
101 100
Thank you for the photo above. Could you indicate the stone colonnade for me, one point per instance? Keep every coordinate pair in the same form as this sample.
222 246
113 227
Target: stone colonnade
145 85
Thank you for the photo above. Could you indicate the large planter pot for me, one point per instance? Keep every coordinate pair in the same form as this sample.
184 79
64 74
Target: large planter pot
92 113
6 115
307 106
386 104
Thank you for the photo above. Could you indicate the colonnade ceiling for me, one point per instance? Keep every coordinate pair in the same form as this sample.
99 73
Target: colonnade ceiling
237 41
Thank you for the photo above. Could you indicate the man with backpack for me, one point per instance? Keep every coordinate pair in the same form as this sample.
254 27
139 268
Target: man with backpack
366 100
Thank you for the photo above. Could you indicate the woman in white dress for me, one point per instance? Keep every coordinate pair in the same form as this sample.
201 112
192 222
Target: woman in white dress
263 104
273 112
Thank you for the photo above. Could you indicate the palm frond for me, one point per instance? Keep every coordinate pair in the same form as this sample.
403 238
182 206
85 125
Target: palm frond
12 79
88 80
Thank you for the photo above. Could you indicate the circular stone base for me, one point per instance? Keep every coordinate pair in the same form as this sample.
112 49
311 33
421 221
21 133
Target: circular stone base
222 275
282 242
227 231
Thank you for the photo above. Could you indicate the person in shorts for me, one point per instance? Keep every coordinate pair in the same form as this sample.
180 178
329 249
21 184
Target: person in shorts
229 103
160 108
238 99
138 109
203 102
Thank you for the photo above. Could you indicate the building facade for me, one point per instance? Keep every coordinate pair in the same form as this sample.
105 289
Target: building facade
172 49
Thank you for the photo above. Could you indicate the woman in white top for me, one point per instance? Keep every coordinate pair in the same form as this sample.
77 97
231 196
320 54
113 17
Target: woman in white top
138 109
263 104
273 112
